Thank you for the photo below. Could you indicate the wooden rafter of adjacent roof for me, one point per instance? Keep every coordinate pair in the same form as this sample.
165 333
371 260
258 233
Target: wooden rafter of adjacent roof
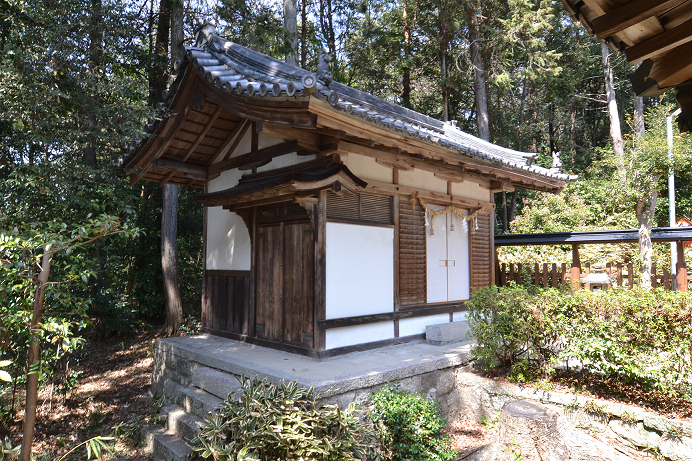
657 33
224 90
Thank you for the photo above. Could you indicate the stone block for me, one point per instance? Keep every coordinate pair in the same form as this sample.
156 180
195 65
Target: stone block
216 382
676 449
447 333
636 434
445 381
198 402
181 423
163 445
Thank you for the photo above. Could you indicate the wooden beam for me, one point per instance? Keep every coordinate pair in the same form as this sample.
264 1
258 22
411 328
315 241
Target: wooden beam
660 43
167 178
197 170
237 135
253 157
673 68
630 14
376 186
306 138
203 134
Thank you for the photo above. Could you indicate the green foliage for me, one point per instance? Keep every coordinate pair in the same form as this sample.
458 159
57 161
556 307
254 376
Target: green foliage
410 426
272 422
636 336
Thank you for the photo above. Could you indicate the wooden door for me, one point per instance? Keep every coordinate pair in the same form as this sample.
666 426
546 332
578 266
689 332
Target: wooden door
270 248
285 283
298 283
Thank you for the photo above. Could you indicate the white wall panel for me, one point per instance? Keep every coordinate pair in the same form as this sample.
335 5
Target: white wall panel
408 327
228 241
422 180
458 281
360 270
225 180
472 190
459 316
267 141
348 336
368 168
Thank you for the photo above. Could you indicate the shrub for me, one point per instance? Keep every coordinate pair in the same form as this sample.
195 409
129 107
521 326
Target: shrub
271 422
410 427
637 336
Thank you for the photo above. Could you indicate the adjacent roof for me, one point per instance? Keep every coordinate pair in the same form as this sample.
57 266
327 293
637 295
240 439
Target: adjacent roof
659 234
657 33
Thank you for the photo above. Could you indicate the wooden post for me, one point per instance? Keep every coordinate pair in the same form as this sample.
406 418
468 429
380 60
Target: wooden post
608 271
654 276
682 268
587 271
536 275
575 272
553 276
630 275
519 277
545 275
511 272
563 273
619 274
666 279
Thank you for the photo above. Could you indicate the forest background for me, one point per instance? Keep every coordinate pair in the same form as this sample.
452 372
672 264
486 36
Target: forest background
80 79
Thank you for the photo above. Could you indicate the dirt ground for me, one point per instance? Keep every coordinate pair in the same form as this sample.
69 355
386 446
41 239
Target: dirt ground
113 399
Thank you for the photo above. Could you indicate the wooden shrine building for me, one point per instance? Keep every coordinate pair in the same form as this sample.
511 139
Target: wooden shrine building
655 33
334 220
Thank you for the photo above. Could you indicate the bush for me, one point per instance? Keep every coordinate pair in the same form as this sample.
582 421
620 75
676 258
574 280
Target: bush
271 423
636 336
410 427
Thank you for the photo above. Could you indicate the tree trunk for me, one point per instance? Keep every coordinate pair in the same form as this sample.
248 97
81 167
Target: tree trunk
613 114
304 34
478 79
291 26
531 432
444 45
95 50
639 126
177 34
645 210
34 361
573 132
158 77
169 259
406 78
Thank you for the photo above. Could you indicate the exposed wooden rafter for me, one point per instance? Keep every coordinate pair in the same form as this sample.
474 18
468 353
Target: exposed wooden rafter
660 43
629 14
203 134
193 171
674 68
261 155
231 141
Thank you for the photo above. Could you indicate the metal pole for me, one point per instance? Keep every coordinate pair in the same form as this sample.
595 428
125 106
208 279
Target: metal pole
671 193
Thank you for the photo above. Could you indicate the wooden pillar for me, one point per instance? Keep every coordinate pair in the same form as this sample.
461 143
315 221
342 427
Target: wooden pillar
682 268
575 272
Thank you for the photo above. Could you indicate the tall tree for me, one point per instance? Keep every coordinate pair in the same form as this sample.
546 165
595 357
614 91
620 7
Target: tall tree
612 105
291 26
479 81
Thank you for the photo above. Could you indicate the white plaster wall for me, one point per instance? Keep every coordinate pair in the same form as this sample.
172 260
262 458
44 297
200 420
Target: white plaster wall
368 168
266 141
360 270
225 180
286 160
471 190
408 327
228 241
348 336
459 316
422 180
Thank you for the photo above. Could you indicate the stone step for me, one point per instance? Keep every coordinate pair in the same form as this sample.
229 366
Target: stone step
215 382
447 333
164 445
181 423
198 402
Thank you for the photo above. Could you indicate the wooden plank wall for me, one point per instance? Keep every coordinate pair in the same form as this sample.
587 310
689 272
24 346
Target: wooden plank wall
481 248
412 263
226 304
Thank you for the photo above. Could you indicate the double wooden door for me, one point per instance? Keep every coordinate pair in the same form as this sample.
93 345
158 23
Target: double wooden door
285 282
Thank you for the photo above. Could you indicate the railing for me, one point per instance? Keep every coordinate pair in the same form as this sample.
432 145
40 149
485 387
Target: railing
551 275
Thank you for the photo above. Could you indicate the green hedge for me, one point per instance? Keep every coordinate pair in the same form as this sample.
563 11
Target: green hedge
634 335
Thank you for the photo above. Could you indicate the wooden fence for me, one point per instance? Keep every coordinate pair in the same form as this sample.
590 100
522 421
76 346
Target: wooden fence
551 275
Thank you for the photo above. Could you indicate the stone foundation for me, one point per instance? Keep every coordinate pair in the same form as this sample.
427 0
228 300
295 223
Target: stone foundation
195 374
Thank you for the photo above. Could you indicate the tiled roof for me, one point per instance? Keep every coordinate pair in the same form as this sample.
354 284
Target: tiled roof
241 71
